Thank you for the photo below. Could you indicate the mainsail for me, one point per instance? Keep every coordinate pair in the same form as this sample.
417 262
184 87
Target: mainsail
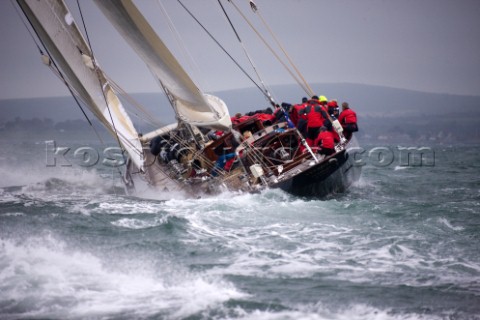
190 104
64 42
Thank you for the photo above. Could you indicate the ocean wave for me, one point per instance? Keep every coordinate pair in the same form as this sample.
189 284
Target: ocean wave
43 277
398 245
341 312
447 223
130 223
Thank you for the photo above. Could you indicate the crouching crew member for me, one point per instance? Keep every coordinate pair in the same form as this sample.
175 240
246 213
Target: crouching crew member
325 142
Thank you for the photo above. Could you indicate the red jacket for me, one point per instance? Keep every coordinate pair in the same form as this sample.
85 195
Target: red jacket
236 120
303 112
325 140
296 114
314 117
347 116
266 117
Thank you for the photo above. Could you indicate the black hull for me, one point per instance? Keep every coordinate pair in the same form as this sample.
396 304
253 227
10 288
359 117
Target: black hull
333 175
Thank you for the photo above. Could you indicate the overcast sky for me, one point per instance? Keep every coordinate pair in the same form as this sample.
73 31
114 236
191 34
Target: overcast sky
424 45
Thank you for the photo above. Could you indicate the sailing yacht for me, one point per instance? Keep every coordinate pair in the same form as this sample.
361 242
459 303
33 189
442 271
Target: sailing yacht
183 157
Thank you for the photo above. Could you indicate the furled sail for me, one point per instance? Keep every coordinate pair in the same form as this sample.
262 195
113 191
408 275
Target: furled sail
64 42
190 104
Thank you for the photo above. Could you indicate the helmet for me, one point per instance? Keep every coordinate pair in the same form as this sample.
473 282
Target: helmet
323 99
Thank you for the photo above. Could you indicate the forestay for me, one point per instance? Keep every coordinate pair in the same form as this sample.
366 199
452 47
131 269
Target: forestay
190 104
60 35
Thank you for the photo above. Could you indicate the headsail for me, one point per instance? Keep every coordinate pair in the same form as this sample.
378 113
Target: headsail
190 104
55 27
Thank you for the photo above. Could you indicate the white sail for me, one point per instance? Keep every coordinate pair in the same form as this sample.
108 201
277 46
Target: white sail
190 104
60 35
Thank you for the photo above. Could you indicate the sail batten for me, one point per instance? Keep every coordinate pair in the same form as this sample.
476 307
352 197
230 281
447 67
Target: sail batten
190 104
64 42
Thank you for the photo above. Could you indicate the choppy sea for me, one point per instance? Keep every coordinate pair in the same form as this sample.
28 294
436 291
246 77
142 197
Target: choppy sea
402 243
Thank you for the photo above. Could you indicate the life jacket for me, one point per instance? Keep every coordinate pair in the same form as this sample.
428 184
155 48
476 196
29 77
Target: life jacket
316 117
295 113
348 116
325 140
236 120
304 111
267 119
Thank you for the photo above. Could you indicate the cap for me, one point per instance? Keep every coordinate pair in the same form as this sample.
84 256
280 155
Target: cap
332 104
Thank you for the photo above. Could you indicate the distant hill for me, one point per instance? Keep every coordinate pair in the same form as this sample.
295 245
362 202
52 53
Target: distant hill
366 99
385 114
65 108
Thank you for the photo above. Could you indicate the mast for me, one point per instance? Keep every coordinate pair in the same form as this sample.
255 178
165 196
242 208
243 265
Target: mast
55 27
191 105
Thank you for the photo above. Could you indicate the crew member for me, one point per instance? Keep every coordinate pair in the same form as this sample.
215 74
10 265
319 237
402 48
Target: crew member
282 112
239 118
316 117
334 113
333 109
324 142
348 120
267 118
295 111
303 111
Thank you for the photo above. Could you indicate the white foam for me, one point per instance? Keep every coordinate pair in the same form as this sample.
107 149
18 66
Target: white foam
122 206
449 225
47 278
13 214
36 173
139 224
343 312
363 182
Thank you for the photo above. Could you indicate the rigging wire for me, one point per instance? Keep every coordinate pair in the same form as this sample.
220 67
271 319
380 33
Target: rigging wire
255 10
47 59
140 152
99 74
148 117
270 48
26 27
224 50
99 81
267 93
183 48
